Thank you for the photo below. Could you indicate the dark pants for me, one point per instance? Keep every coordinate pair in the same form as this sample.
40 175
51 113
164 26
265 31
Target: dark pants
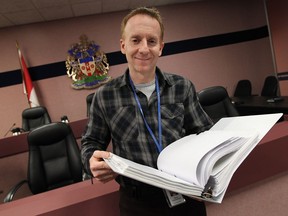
150 201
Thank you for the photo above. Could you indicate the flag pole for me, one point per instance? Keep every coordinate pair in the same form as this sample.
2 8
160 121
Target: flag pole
28 87
23 80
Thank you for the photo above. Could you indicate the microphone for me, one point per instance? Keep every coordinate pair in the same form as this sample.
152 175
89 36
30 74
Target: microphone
9 129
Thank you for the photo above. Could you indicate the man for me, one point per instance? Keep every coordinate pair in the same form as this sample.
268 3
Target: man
142 111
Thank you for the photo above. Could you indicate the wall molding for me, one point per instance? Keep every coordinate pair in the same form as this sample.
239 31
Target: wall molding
14 77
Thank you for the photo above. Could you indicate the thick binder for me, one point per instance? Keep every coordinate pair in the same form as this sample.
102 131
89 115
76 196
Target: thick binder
201 166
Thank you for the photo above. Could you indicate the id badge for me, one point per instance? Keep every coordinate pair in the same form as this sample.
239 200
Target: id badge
173 198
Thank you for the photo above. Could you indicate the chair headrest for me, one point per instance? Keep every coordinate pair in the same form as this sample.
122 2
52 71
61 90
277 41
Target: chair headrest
212 95
34 112
49 133
89 97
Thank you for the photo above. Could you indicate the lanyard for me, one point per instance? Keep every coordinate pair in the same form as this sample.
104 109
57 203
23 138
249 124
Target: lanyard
159 142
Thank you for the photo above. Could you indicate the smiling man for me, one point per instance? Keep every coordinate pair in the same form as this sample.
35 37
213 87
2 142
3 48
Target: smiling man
142 112
142 43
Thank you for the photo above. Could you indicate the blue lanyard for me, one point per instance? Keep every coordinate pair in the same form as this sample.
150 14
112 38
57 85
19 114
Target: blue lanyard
159 142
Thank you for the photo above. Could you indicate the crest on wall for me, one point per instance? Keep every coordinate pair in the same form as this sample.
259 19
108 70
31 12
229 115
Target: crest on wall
87 65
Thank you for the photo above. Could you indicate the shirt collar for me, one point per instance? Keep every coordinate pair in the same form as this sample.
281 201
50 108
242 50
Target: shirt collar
162 77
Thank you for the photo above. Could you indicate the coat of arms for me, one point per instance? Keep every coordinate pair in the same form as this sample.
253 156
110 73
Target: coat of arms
87 65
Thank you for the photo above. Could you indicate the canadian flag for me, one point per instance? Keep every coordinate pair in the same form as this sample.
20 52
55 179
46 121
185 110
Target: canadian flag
28 87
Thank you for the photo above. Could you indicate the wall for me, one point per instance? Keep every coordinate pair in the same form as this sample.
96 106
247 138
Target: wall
43 44
278 21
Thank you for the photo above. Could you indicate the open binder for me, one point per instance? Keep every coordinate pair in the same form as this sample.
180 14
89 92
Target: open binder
202 165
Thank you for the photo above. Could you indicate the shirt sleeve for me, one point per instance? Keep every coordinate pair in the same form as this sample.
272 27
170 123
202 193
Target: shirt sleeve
96 135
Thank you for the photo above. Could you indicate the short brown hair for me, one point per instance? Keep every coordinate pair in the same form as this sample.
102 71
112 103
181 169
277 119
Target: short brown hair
152 12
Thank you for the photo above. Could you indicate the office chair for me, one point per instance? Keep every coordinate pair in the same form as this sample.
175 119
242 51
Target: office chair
54 159
35 117
216 103
270 87
89 99
243 88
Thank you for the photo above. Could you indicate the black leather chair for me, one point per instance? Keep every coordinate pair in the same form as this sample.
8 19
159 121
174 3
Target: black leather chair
89 99
35 117
243 88
270 87
54 159
217 103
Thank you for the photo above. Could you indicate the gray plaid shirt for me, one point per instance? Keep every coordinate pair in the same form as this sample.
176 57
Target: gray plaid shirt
115 115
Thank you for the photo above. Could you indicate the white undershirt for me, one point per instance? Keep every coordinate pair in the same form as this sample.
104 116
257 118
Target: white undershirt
146 88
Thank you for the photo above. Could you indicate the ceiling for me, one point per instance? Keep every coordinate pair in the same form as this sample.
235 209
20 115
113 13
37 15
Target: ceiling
20 12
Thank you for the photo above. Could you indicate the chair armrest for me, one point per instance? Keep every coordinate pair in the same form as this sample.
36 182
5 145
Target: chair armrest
13 191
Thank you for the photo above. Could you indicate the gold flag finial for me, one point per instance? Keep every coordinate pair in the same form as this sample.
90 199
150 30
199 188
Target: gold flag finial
17 45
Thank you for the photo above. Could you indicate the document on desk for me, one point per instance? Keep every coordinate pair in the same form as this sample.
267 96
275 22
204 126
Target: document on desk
202 166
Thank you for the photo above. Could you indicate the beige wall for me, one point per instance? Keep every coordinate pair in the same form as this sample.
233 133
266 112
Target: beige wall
44 43
278 22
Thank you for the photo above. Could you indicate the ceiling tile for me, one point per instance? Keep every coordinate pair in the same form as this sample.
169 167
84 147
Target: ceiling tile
87 8
15 5
85 1
49 3
113 5
4 22
24 17
166 2
139 3
54 13
17 12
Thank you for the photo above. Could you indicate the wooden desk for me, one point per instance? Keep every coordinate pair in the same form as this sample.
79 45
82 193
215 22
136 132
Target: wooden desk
254 105
77 199
266 160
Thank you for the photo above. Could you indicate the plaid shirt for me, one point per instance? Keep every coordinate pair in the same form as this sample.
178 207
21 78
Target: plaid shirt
115 115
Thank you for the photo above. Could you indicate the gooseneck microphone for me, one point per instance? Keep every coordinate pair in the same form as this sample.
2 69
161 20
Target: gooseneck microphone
9 129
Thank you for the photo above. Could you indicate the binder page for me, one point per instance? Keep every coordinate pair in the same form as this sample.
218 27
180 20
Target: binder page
151 176
207 164
182 157
224 175
258 123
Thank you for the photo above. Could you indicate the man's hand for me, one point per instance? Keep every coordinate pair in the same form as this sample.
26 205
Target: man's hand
100 170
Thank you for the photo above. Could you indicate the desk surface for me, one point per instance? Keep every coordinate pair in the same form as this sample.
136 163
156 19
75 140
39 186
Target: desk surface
253 105
267 159
78 199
